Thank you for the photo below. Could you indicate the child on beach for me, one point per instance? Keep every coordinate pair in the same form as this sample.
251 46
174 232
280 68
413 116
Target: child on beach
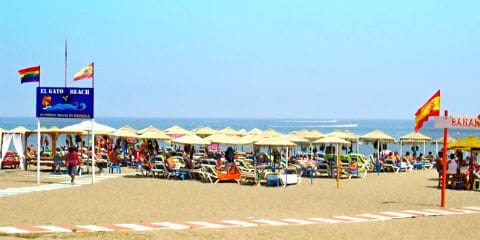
72 162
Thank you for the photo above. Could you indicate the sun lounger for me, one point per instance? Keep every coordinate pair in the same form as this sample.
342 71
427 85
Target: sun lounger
175 172
389 165
230 174
208 173
290 176
60 166
323 170
11 160
406 165
159 169
269 177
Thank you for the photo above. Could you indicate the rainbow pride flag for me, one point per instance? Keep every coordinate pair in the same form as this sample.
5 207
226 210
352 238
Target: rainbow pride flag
31 74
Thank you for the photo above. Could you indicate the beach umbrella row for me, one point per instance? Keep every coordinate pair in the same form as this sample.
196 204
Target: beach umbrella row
301 137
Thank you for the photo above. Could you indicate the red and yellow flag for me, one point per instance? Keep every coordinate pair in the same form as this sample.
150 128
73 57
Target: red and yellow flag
430 108
86 72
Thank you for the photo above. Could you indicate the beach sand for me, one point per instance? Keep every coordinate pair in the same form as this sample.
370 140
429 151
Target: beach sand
138 199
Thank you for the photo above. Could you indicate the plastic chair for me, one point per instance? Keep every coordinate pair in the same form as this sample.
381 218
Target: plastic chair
307 171
272 179
117 169
476 184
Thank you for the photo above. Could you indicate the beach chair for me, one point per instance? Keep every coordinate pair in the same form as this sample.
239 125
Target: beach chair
307 171
406 165
269 177
418 165
290 175
389 165
159 169
60 166
175 172
476 182
10 159
323 169
360 172
428 164
208 173
231 174
344 162
349 173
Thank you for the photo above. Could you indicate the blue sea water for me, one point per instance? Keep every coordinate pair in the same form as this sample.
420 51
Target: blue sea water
393 127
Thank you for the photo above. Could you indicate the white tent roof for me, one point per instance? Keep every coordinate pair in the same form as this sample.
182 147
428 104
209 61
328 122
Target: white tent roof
87 126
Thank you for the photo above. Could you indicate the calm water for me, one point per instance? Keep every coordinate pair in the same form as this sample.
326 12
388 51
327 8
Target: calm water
393 127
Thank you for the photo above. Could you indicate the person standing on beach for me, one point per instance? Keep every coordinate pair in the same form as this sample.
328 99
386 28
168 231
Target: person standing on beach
72 162
229 156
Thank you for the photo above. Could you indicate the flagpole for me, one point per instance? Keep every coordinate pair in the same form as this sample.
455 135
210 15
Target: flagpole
93 152
444 169
38 137
93 130
93 74
65 62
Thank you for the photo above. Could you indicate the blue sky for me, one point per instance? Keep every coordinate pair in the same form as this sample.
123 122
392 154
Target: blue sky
292 59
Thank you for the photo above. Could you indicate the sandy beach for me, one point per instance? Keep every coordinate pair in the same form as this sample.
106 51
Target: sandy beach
137 199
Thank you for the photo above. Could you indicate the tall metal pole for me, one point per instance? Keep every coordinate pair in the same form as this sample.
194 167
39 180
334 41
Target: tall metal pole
93 130
444 170
38 150
93 152
65 70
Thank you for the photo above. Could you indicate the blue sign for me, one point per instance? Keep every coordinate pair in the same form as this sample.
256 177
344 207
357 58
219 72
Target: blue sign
54 102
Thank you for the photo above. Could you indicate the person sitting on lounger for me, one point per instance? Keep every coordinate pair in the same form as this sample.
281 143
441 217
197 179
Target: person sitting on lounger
452 169
32 150
189 163
439 163
146 167
429 156
170 162
353 165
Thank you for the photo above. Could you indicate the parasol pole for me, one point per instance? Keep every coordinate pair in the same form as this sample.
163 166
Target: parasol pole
358 145
378 158
401 147
444 170
424 147
338 165
286 168
311 173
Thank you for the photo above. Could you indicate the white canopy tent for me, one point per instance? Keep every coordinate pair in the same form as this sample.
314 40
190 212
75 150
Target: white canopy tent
6 139
91 127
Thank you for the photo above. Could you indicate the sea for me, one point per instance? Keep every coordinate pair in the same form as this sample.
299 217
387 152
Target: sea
393 127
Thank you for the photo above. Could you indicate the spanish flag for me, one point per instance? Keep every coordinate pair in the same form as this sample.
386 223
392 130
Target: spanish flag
86 72
31 74
430 108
